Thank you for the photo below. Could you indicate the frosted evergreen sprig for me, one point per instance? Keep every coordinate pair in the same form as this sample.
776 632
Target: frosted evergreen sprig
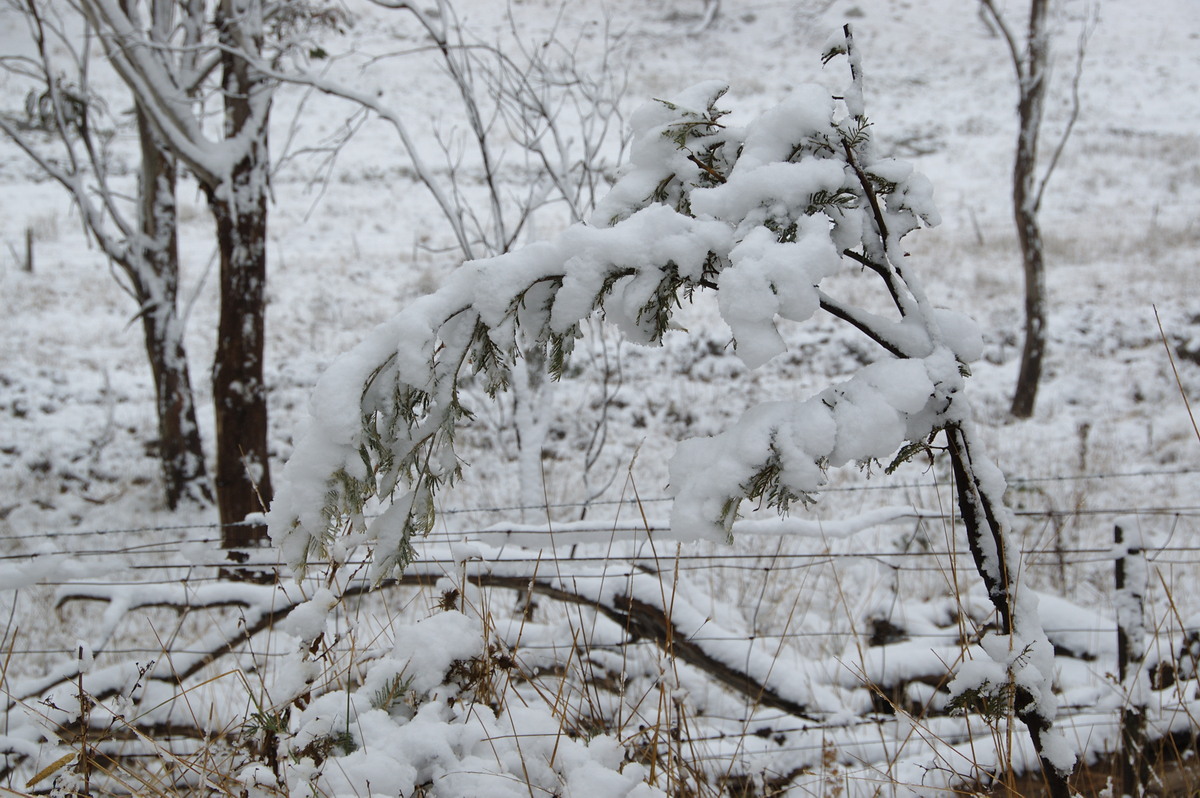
759 214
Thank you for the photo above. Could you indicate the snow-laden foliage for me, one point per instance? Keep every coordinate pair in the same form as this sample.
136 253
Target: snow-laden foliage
759 214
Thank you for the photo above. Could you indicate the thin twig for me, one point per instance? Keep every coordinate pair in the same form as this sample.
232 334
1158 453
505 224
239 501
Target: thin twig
1081 51
1162 334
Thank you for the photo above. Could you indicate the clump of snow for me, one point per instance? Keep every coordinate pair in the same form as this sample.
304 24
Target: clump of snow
432 737
653 157
768 279
780 191
864 418
258 780
307 621
429 648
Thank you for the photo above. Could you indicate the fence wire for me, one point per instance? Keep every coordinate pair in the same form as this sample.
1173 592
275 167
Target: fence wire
1013 482
113 564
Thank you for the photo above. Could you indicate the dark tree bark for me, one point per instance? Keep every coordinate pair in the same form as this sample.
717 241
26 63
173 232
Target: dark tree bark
239 394
239 206
987 538
180 450
1026 200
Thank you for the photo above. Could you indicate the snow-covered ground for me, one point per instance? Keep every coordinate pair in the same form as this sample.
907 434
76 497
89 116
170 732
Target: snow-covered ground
1112 436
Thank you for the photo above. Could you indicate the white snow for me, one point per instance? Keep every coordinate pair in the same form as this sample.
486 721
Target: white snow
77 425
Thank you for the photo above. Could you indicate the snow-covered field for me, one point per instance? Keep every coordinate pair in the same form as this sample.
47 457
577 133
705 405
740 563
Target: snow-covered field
1111 438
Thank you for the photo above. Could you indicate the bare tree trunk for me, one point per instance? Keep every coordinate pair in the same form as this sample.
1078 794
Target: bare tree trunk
1034 350
1033 78
181 452
239 394
146 252
239 205
987 536
185 477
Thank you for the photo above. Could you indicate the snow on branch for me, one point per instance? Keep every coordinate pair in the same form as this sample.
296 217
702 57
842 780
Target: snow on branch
760 215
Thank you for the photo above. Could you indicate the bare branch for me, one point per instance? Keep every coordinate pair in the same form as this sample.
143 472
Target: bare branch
449 208
154 81
92 217
1085 34
861 321
1006 33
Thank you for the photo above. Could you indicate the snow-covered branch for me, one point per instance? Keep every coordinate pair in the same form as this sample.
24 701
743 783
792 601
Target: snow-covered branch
761 214
141 63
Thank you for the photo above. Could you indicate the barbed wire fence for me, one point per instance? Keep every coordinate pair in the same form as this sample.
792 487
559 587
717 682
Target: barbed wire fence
557 566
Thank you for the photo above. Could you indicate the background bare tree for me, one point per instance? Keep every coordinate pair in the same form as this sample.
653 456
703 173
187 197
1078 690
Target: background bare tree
65 132
179 58
168 77
1032 65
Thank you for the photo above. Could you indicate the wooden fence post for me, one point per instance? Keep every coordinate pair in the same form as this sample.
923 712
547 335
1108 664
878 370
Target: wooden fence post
1131 582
